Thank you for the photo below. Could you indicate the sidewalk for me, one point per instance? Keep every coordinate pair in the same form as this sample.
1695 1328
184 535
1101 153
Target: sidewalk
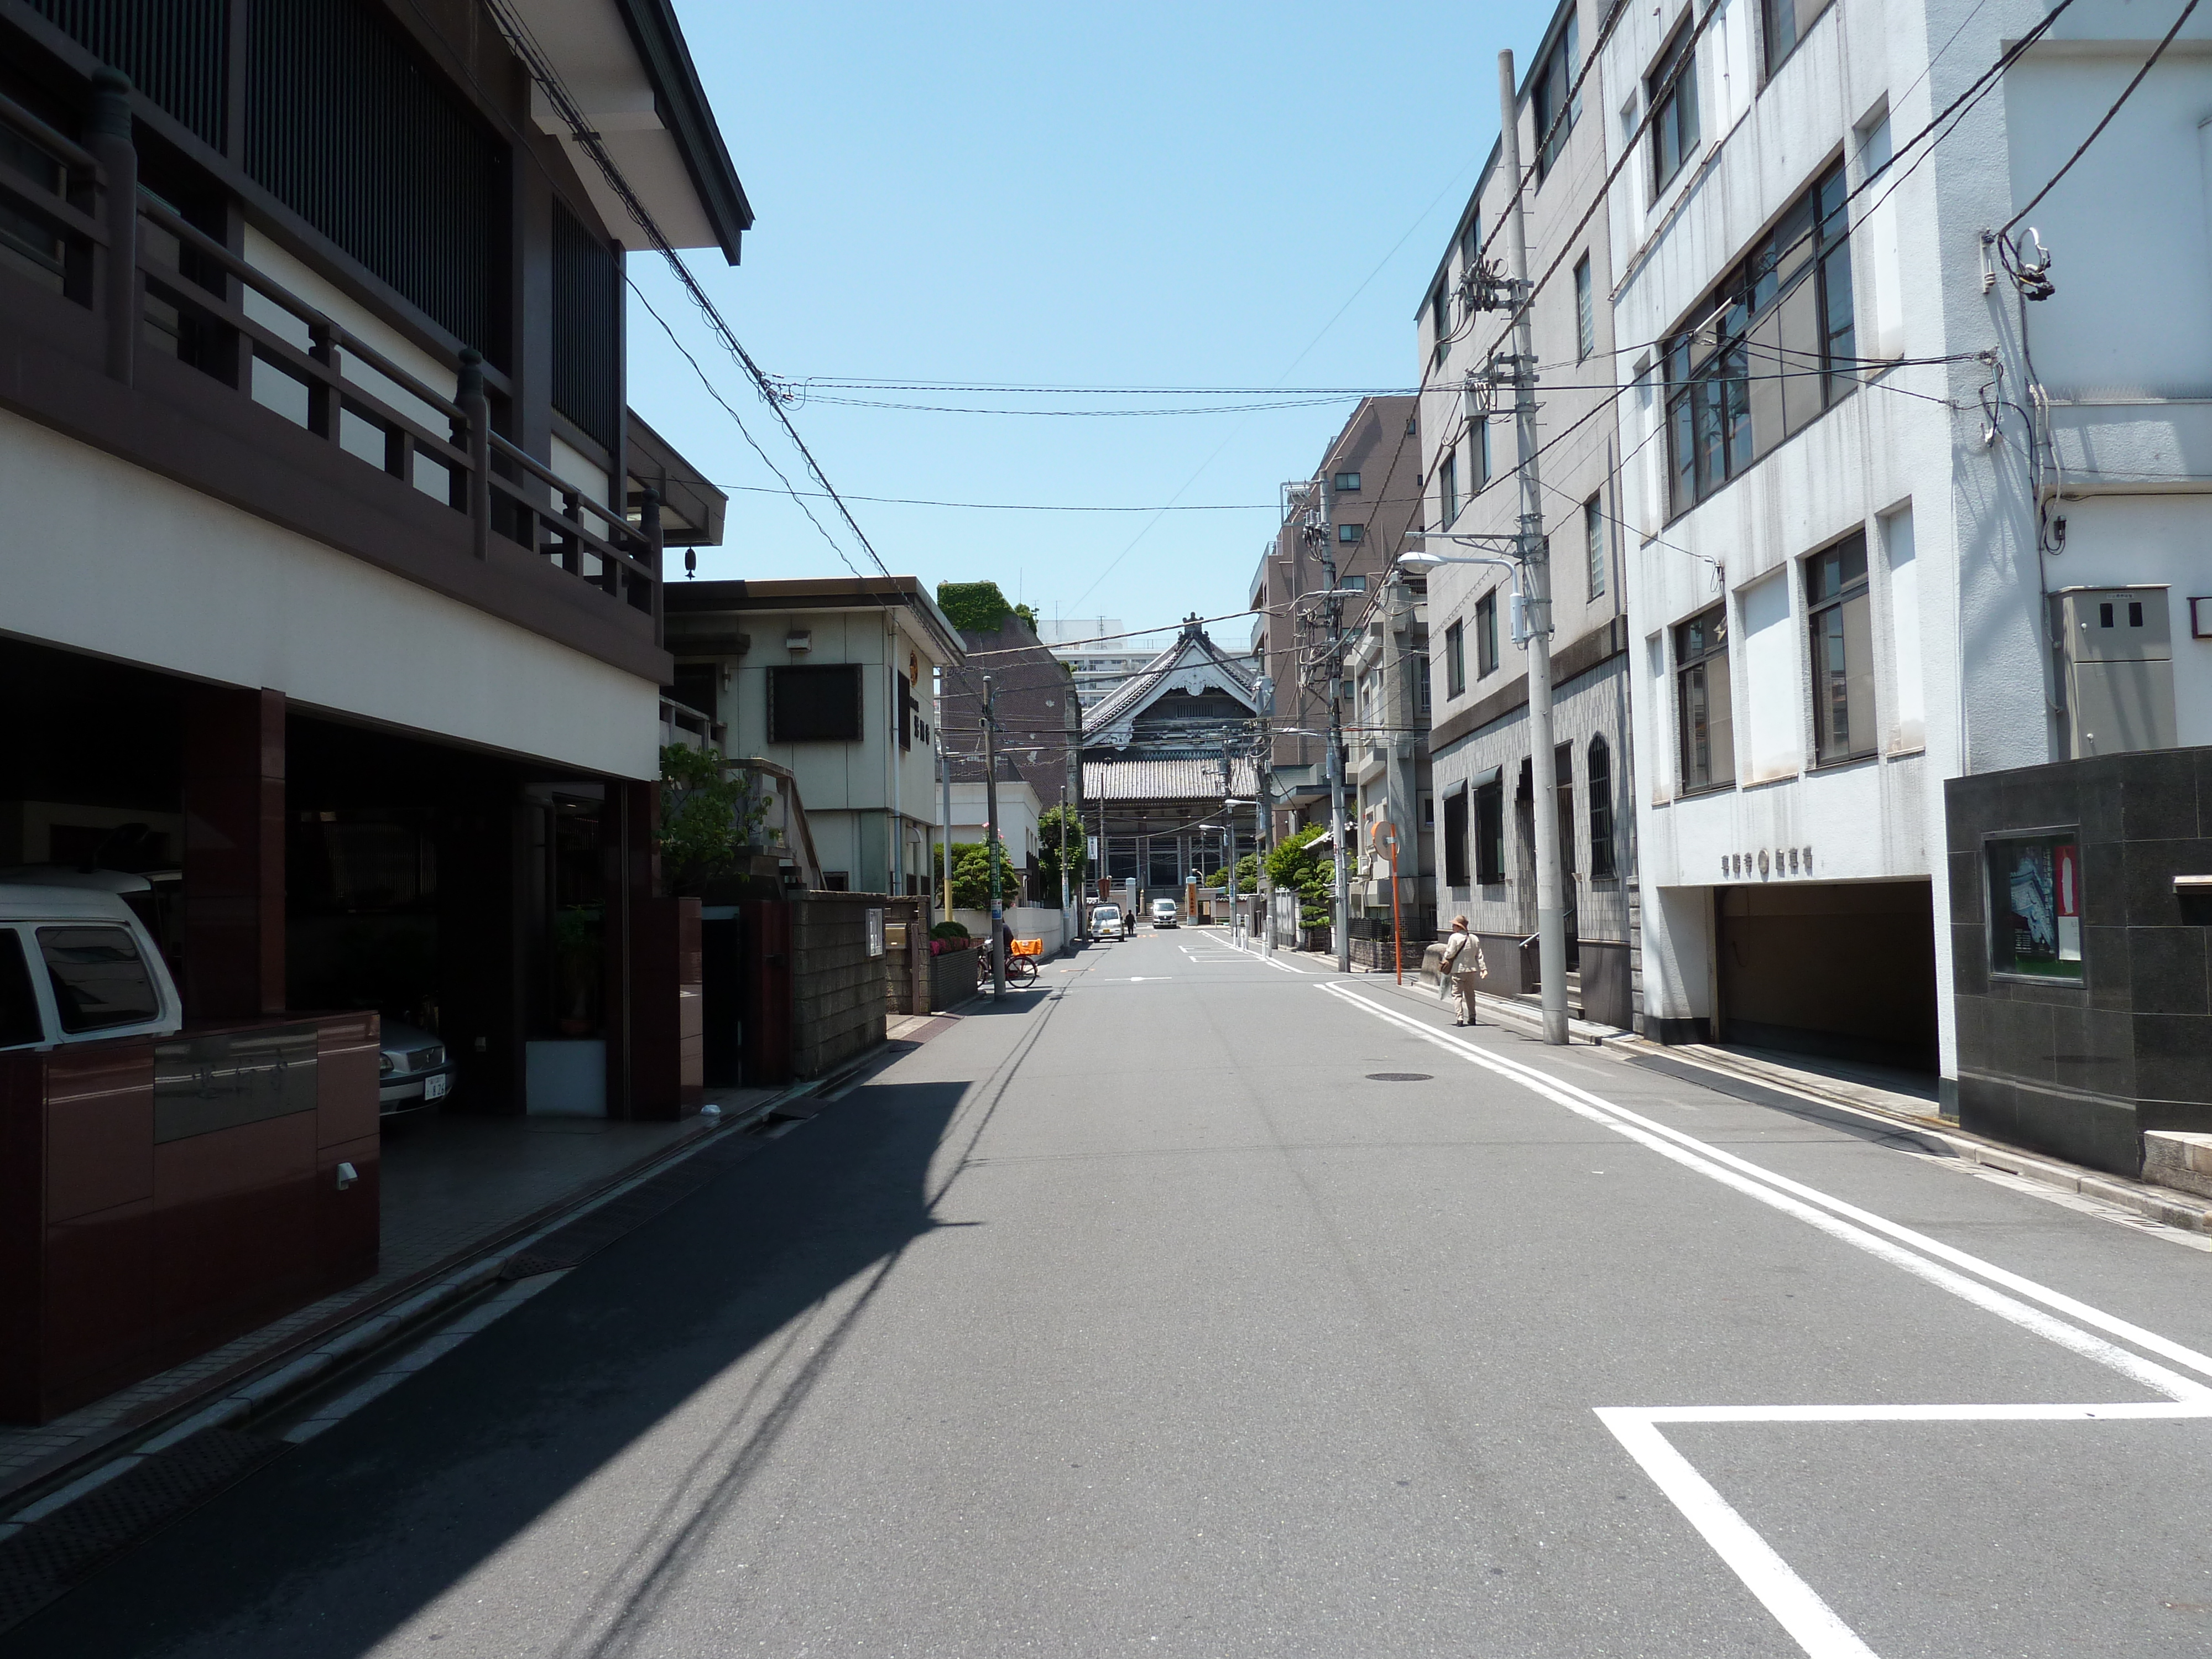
1768 1080
460 1196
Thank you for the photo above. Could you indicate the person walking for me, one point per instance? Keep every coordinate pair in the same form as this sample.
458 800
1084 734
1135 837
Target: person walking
1462 971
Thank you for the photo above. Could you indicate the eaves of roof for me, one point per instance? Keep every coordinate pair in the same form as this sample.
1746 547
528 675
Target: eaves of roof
683 109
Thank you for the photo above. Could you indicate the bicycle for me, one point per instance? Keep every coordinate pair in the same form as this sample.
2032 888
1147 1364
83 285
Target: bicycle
1021 970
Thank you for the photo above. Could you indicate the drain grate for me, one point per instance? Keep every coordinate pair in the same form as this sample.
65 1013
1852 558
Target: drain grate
50 1555
1402 1077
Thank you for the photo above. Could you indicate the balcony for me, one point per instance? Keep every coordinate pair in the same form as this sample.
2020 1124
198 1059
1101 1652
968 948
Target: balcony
136 330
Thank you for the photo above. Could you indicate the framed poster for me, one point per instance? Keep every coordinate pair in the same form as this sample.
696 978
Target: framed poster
2035 904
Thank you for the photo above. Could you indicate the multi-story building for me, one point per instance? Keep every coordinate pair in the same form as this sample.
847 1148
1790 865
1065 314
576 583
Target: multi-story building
1098 651
1483 774
1040 727
332 578
1353 511
829 677
1905 514
1387 740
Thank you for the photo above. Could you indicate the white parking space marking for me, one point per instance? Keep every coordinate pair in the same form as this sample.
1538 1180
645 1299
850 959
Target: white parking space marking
1793 1603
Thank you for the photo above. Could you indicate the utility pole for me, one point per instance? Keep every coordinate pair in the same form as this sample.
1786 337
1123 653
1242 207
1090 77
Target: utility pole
1536 585
1263 808
945 788
1340 929
991 834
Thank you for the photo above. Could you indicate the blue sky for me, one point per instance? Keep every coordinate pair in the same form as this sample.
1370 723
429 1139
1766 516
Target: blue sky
1141 195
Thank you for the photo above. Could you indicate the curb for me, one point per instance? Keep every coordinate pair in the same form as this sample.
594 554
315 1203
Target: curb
291 1372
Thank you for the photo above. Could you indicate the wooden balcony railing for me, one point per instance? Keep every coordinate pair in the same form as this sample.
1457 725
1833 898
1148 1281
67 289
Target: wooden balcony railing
88 232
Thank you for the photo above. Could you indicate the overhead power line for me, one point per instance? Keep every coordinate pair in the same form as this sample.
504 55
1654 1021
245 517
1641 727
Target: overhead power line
525 45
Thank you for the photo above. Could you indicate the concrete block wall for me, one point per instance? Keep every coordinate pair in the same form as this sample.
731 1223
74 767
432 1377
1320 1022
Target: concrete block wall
839 992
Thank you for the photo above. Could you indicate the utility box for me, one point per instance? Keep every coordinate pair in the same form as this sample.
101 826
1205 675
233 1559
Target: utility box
2116 661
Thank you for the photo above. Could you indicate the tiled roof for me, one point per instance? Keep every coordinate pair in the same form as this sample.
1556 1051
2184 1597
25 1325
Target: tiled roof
1163 780
1126 697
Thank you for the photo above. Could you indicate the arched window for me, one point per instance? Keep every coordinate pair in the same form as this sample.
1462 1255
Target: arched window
1601 809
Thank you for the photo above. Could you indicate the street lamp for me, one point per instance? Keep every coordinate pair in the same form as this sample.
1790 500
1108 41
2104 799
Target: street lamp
1543 777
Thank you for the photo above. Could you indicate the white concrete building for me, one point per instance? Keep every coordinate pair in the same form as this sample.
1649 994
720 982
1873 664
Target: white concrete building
1861 460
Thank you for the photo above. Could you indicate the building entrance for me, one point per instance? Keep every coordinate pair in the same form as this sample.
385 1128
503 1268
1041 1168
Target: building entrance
1846 971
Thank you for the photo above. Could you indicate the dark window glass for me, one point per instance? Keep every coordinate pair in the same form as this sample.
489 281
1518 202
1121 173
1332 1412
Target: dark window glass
1701 679
1555 112
1470 240
19 1003
1351 532
1490 835
587 328
1767 351
1486 636
1455 838
1455 660
1594 545
1482 471
2035 905
1671 90
1601 808
1448 491
1346 484
1440 320
1784 23
98 978
1585 310
1421 704
1840 621
814 703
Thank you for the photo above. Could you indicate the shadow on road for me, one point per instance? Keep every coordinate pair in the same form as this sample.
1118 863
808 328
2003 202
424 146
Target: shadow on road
328 1551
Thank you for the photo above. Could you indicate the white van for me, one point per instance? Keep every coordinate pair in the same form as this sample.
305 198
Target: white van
76 964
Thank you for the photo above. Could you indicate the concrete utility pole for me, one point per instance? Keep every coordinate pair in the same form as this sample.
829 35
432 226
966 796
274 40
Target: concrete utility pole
991 834
944 805
1536 586
1263 806
1340 929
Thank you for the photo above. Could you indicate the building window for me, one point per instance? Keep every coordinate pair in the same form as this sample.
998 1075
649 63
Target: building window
1672 91
1490 834
1351 532
1701 686
1448 490
1421 704
1470 241
1455 660
1344 483
1351 584
1555 111
1455 838
1594 545
1585 311
1481 455
2035 905
1440 320
1601 808
814 703
1839 619
1784 23
1486 636
1766 351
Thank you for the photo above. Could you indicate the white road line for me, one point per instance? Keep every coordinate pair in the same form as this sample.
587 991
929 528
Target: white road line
1864 1230
1794 1604
1811 1621
1272 960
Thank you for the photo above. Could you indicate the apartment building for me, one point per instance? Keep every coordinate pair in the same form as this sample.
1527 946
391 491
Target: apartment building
1915 511
333 581
1353 510
1482 772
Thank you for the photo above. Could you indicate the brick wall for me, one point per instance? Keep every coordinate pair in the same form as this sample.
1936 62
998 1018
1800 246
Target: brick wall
838 993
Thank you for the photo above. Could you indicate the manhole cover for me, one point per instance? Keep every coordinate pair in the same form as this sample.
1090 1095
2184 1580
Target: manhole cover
1401 1076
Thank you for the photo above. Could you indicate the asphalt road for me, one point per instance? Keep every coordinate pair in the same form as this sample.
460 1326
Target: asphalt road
1142 1316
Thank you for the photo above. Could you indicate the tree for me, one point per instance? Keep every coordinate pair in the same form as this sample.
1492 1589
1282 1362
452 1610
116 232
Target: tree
1050 824
1247 874
980 607
707 817
971 875
1298 866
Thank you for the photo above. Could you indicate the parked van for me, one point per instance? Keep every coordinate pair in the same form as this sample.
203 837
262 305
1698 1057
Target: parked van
77 964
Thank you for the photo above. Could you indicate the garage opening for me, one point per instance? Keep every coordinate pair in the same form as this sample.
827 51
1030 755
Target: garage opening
1843 970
